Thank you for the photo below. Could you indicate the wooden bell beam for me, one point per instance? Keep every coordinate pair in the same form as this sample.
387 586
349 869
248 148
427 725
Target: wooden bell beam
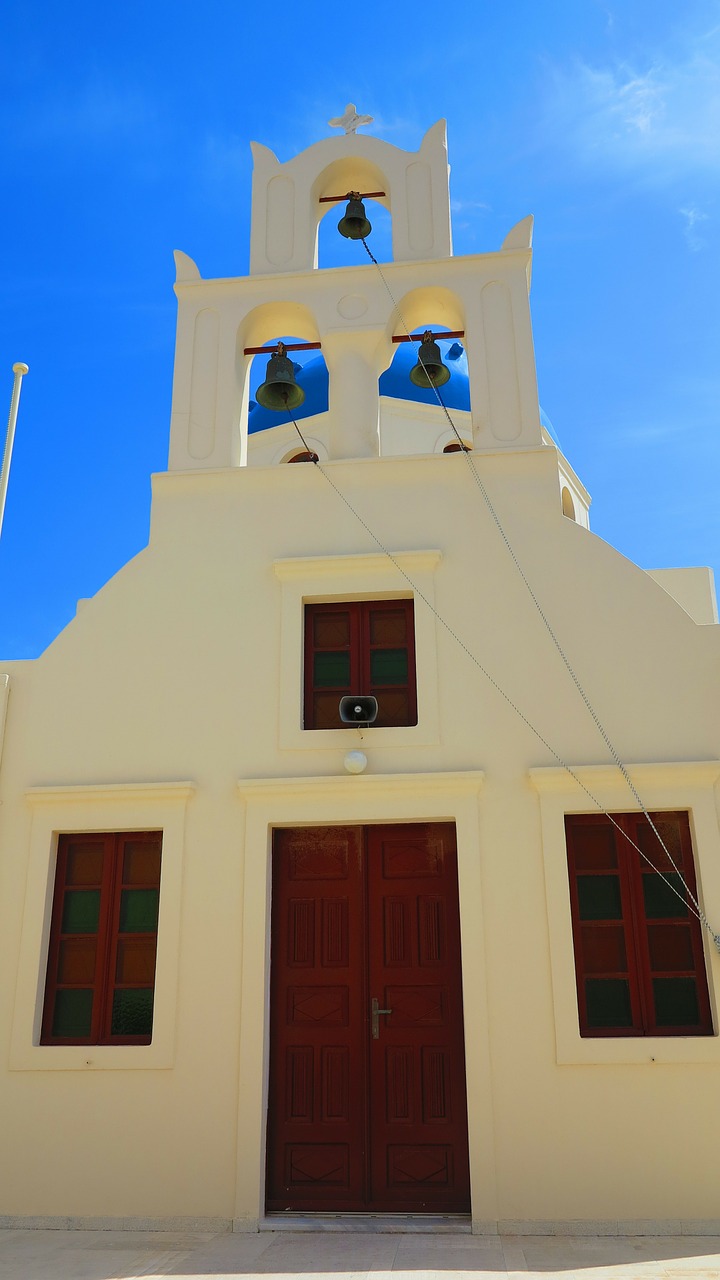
418 337
356 195
289 346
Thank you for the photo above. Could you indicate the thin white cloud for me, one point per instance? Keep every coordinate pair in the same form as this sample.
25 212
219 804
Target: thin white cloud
692 218
406 131
662 118
468 206
609 17
647 433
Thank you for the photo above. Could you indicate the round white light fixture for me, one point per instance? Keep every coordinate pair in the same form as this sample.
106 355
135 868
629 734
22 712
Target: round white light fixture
355 761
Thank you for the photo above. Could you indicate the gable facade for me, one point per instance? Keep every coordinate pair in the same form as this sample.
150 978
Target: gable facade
421 860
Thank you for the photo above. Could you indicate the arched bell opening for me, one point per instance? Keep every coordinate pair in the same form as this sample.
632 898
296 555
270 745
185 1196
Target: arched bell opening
330 191
418 369
336 250
427 375
431 306
300 378
256 340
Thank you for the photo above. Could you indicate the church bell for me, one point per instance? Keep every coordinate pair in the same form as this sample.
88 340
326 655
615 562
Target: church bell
429 370
280 390
354 225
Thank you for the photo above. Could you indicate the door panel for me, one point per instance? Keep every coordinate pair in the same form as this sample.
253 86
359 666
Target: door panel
357 1122
316 1130
418 1114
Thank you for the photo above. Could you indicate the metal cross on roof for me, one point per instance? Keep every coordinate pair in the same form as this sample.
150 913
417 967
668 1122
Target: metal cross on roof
350 121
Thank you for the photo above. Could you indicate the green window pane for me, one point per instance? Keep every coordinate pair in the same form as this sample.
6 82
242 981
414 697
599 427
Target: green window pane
72 1016
608 1002
599 897
389 666
660 900
132 1013
81 911
139 910
676 1003
331 670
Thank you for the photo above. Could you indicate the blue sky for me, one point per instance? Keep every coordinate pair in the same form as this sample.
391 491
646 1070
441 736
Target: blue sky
127 135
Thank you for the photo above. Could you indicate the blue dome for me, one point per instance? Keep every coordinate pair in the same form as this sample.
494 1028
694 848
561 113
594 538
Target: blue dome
395 381
313 378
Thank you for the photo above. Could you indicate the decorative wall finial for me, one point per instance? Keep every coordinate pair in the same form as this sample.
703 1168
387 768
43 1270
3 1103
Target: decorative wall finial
350 121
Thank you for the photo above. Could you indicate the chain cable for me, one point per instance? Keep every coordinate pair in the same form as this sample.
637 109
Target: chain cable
499 689
689 899
545 620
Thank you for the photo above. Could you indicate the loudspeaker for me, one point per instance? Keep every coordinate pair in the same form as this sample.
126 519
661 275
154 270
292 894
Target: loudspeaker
358 709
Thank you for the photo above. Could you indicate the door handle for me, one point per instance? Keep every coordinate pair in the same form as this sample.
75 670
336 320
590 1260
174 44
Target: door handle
376 1011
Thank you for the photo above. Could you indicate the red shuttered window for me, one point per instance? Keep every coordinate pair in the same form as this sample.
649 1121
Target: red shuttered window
101 961
638 946
363 647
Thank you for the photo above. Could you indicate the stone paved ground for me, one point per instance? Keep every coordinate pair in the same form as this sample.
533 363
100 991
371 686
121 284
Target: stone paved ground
129 1255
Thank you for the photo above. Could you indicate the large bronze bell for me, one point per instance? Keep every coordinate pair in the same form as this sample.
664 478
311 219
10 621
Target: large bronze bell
354 225
280 390
429 370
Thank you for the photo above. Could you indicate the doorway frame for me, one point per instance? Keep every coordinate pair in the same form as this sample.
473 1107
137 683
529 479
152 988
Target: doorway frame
363 800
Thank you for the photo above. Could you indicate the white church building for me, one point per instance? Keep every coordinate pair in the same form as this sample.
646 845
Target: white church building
452 955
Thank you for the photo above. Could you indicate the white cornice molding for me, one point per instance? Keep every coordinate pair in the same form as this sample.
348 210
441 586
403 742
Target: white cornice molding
324 566
435 271
98 793
699 773
339 785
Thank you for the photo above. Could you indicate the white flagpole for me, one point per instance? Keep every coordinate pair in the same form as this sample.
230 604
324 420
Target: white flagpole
19 370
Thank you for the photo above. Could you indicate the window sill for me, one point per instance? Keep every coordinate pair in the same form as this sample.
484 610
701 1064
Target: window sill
635 1050
390 736
93 1057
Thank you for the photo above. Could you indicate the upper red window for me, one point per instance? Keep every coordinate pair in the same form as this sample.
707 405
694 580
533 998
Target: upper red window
638 946
101 961
366 647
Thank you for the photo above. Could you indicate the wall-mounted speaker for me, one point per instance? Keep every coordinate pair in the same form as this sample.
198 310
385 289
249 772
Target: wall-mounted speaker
358 709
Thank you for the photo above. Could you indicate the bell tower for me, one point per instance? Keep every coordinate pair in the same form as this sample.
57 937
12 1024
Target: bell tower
357 315
289 200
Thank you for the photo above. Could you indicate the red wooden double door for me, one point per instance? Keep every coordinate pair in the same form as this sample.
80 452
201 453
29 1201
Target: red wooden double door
367 1100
